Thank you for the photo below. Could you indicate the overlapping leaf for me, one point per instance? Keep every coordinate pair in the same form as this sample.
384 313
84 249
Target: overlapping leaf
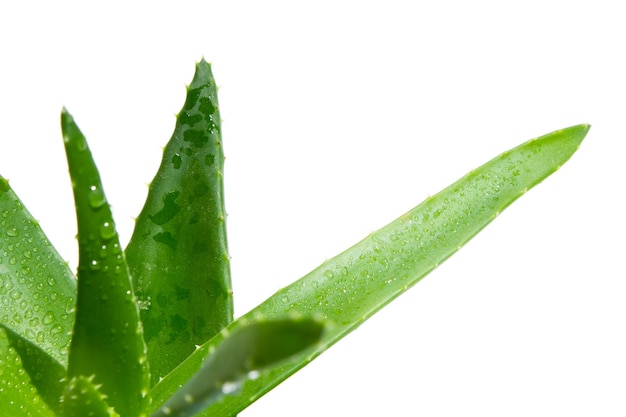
242 355
178 255
19 395
352 286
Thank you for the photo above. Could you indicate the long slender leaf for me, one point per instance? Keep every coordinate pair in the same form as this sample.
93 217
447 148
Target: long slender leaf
179 242
107 342
37 288
242 355
18 394
352 286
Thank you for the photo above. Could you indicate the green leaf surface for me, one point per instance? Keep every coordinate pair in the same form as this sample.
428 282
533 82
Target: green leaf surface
18 393
352 286
37 289
107 340
83 399
242 355
179 242
38 369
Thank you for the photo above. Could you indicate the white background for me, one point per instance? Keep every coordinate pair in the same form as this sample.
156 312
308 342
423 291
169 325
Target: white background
339 117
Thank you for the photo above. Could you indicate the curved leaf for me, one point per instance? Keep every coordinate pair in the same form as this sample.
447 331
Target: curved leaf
352 286
107 340
179 242
242 355
37 288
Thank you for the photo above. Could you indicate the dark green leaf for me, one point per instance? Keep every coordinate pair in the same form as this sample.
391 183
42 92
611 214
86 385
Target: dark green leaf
178 253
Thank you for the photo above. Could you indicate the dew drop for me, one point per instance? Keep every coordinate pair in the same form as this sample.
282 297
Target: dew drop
48 318
96 197
12 232
107 230
230 387
94 265
17 318
41 337
177 161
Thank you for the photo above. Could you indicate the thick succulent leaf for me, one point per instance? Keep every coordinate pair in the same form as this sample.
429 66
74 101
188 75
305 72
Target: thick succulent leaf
179 242
82 398
355 284
37 289
42 371
107 340
18 394
243 354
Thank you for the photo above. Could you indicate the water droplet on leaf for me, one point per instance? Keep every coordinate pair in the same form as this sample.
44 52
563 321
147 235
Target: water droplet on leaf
107 230
48 318
96 197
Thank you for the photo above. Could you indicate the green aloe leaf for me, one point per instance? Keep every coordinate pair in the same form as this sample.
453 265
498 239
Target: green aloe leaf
19 395
82 398
38 369
179 242
242 355
352 286
107 340
37 289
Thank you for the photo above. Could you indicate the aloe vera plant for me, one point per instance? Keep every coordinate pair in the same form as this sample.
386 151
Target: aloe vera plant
149 330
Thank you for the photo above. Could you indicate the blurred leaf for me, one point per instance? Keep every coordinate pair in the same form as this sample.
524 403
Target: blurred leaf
242 355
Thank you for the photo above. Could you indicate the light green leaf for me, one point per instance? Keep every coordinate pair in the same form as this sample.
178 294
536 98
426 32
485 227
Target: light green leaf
40 370
37 289
358 282
107 341
179 243
18 393
243 354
